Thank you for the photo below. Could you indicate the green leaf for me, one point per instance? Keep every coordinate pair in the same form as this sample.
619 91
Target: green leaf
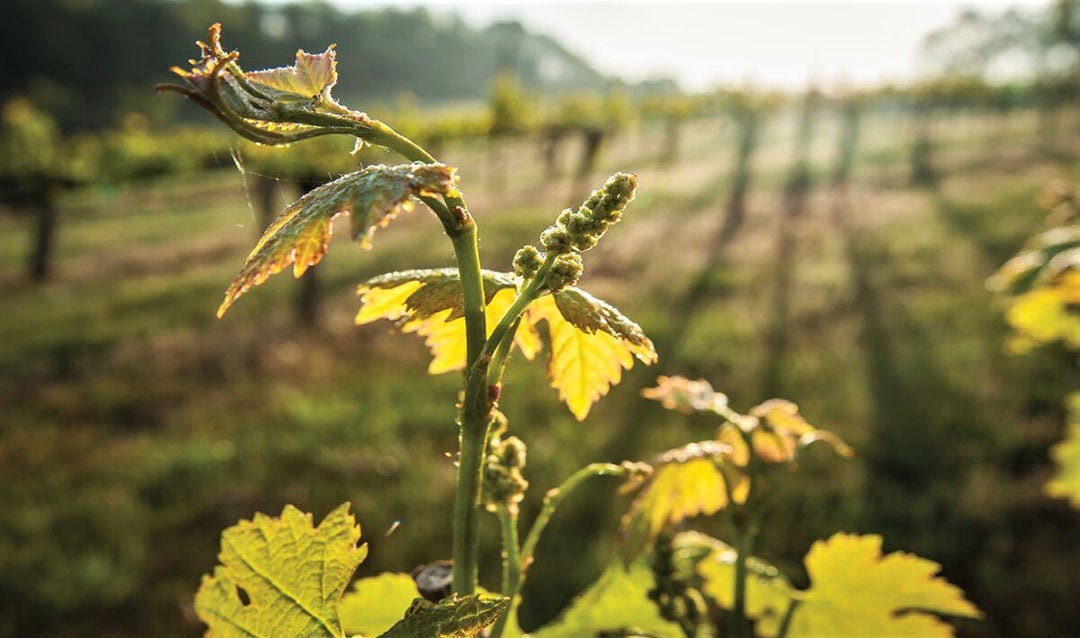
301 234
281 576
616 604
1066 453
454 617
376 604
768 593
855 590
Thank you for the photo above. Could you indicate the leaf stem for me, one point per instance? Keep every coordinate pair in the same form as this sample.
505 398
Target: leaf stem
524 297
785 622
502 355
552 500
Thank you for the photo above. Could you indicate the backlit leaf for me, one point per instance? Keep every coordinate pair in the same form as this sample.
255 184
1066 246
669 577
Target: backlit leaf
1047 313
453 617
687 482
856 591
591 344
685 396
391 296
1066 454
616 604
301 234
445 336
312 76
768 593
777 432
376 604
281 576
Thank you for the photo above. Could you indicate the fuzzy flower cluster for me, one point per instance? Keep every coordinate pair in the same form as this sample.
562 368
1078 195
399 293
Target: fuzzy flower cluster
503 482
575 231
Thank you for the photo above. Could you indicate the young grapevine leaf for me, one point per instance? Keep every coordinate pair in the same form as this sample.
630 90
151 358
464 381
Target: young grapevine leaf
855 590
1066 453
591 344
391 296
429 303
686 396
281 576
453 617
777 432
301 234
768 593
688 481
616 604
1046 314
376 604
311 77
445 335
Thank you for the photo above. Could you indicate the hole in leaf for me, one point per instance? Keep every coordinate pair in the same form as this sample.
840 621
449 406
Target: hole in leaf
245 599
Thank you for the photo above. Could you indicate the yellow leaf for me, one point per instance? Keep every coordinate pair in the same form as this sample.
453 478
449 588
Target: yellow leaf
385 303
768 593
1047 313
856 591
591 341
688 482
584 365
1066 454
446 339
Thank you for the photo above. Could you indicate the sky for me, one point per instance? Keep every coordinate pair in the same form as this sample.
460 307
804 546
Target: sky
702 44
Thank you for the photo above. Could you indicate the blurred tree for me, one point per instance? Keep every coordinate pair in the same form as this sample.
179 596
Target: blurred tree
35 165
90 80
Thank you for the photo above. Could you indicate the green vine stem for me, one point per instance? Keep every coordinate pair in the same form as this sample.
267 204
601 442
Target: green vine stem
475 412
744 525
552 500
511 558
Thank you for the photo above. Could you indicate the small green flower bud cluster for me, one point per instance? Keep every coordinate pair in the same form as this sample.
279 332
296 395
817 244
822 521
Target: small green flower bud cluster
527 261
579 230
565 271
503 481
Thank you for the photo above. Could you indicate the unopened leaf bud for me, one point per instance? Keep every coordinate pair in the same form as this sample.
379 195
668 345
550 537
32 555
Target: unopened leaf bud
565 271
527 261
556 239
